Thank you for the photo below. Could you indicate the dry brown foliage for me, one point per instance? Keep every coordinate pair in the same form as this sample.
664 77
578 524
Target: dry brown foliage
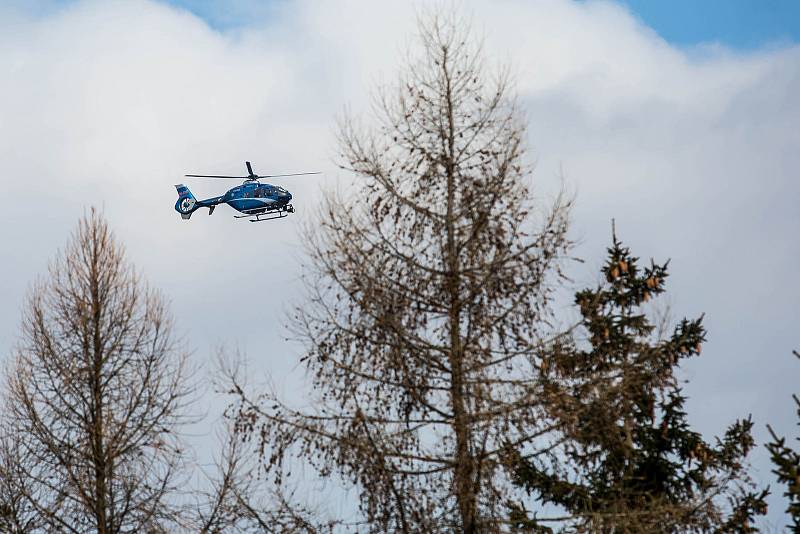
428 304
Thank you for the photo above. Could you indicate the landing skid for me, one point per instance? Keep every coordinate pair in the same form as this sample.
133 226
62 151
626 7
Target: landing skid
268 215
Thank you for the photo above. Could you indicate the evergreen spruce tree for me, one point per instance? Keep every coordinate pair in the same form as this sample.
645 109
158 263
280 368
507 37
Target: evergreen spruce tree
787 468
631 462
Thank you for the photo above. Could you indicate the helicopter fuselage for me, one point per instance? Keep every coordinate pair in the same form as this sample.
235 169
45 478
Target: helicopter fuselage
252 198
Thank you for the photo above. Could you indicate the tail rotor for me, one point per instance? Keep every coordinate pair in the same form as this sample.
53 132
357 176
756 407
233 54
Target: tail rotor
186 203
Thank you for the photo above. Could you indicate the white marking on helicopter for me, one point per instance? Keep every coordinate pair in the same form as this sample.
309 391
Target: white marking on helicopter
265 201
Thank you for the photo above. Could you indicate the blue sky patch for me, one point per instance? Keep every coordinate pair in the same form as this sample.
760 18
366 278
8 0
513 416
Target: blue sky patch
739 24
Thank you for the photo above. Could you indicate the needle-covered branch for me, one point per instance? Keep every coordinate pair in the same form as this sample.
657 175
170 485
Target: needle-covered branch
786 461
629 461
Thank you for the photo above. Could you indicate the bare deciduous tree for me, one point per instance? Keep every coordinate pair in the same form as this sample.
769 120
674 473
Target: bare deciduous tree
428 303
97 393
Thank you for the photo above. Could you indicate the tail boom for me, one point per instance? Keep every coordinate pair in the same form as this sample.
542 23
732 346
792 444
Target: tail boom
188 204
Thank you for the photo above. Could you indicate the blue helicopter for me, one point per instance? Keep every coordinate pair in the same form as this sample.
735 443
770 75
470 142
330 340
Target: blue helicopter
260 202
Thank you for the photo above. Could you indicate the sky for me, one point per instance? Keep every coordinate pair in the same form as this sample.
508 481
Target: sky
679 120
740 24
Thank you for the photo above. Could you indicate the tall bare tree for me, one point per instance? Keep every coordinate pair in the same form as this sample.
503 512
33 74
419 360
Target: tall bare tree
97 393
428 302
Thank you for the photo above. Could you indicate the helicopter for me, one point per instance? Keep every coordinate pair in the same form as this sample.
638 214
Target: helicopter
257 201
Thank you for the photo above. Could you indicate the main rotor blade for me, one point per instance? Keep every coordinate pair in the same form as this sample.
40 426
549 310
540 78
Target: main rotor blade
216 176
249 168
292 174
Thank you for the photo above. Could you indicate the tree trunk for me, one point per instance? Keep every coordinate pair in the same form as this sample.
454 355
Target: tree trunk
463 474
98 452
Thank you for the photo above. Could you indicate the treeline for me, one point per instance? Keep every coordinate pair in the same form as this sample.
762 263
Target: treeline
447 393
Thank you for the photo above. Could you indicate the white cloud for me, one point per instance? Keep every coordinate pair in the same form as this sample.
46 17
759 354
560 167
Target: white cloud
695 152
